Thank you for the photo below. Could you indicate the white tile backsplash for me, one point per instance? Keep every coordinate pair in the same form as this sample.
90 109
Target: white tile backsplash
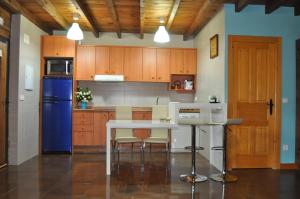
133 93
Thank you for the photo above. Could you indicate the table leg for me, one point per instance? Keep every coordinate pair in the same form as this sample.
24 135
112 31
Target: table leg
108 153
193 177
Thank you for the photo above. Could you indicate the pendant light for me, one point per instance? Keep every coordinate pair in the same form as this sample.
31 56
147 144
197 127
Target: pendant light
75 33
161 35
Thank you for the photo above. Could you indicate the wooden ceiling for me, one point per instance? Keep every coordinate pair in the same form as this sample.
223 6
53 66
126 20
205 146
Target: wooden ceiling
184 17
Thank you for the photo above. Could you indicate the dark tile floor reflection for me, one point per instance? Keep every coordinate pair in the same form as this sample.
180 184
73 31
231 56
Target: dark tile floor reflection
83 176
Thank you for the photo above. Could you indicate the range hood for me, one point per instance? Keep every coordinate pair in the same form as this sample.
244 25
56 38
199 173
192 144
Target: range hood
109 78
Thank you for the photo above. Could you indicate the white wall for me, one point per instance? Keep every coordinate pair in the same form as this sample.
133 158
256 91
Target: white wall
132 93
211 81
23 114
129 39
211 78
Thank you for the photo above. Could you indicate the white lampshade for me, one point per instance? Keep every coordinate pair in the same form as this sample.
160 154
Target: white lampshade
75 33
161 35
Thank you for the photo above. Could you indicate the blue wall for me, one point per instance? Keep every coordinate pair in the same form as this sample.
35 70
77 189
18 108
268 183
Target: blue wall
281 23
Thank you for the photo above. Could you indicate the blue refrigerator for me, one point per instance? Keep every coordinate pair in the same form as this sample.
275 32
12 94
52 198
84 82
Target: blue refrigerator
57 114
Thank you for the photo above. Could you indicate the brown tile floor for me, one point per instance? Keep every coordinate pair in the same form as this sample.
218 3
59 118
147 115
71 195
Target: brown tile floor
83 176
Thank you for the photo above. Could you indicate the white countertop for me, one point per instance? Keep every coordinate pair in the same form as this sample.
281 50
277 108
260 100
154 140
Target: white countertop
140 124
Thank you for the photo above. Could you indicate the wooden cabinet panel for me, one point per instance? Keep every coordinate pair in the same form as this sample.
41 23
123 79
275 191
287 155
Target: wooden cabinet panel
100 120
116 60
102 60
190 61
133 63
85 63
163 65
83 128
58 46
176 61
149 64
48 46
141 115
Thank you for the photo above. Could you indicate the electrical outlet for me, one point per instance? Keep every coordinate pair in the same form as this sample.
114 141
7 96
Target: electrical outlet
285 147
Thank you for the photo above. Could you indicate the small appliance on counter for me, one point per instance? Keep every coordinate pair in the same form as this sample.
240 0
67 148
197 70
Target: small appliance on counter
57 114
188 85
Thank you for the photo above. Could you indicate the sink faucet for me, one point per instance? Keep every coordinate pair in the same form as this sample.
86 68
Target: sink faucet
157 98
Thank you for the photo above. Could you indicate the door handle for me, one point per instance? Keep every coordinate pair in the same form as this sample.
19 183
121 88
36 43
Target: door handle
270 104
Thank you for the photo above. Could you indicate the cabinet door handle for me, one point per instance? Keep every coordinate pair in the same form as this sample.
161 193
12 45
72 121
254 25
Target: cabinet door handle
153 78
270 104
92 76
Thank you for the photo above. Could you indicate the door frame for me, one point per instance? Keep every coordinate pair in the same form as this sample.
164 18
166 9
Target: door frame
4 42
278 88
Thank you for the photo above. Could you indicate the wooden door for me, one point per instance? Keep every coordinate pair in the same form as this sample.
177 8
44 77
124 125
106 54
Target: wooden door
102 60
100 120
116 60
176 61
149 64
133 64
254 80
298 101
85 63
3 104
163 65
190 61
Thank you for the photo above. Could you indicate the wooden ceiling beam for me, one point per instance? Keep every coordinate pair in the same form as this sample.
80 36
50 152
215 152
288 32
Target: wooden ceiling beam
142 16
115 17
14 7
51 10
206 12
84 13
272 5
241 4
173 13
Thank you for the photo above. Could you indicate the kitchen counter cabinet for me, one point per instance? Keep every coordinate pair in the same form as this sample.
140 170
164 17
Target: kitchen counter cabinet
142 115
83 131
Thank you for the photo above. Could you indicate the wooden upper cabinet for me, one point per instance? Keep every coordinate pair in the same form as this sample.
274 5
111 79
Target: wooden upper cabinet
116 60
102 60
58 46
163 65
85 63
133 62
183 61
176 61
190 61
149 64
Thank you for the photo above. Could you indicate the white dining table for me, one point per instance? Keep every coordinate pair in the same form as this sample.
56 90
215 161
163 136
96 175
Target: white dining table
130 124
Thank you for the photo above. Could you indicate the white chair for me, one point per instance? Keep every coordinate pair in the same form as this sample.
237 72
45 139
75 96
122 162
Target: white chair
124 136
158 136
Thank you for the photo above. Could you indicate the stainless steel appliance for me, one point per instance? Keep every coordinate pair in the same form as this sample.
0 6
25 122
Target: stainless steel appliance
59 67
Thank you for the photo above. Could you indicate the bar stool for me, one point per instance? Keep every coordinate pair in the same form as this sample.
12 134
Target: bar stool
193 176
224 176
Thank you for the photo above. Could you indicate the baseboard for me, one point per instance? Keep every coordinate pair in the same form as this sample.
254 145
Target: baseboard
290 166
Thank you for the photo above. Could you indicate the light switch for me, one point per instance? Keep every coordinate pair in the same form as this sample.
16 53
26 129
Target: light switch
26 39
22 98
285 100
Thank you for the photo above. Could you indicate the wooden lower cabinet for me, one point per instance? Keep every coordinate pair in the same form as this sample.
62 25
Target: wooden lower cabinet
142 115
89 128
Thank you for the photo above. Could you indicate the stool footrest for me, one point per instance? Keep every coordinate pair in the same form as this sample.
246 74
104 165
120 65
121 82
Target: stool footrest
217 148
198 148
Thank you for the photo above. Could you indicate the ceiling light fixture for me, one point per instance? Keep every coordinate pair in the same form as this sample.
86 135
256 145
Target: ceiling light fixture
161 35
75 33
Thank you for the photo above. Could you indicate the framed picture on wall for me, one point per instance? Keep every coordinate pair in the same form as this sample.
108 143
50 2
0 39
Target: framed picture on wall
214 46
